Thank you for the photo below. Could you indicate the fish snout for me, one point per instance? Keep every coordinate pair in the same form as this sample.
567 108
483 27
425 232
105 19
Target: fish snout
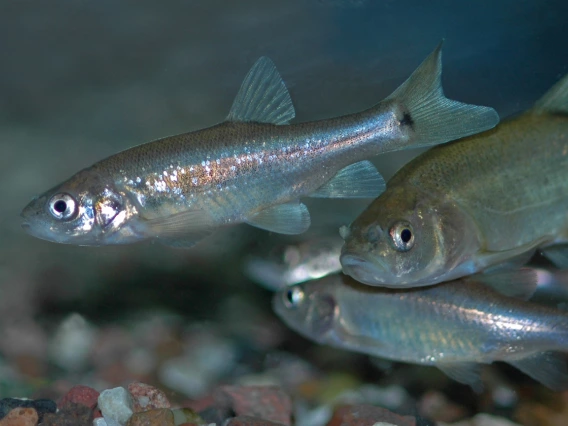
360 268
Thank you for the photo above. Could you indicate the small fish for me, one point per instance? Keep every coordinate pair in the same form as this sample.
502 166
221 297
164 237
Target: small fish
467 206
456 326
295 263
251 168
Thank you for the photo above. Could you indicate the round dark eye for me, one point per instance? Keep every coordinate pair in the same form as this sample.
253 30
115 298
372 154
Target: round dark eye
402 236
293 297
62 206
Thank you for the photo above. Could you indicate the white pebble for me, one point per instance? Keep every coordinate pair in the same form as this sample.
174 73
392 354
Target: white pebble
99 421
116 406
72 343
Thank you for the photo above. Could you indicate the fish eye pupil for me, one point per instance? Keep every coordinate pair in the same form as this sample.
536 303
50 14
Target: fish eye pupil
293 297
405 235
290 296
60 206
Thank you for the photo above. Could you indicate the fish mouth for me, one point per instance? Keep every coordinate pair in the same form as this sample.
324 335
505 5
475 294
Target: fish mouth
362 268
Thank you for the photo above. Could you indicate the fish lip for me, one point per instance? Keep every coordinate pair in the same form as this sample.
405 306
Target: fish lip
362 268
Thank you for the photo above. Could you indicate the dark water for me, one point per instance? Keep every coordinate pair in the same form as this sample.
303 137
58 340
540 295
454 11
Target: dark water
82 80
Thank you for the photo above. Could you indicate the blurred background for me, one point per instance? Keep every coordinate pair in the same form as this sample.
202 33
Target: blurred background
80 81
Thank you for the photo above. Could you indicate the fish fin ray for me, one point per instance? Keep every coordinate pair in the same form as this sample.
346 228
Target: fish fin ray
555 99
519 283
358 180
290 218
181 229
548 368
558 255
434 118
263 96
468 373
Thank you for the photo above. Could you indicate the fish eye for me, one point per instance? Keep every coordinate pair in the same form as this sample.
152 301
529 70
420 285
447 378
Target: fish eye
293 297
62 206
402 236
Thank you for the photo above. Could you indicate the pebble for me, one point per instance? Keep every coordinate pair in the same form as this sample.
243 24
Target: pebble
216 415
483 419
72 343
72 414
157 417
265 402
79 394
116 406
186 415
99 421
250 421
368 415
20 417
147 397
41 406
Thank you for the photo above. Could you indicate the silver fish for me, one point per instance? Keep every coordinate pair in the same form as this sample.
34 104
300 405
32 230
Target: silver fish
251 168
292 264
455 326
468 206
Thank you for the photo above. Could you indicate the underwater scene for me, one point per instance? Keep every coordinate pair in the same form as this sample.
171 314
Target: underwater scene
300 212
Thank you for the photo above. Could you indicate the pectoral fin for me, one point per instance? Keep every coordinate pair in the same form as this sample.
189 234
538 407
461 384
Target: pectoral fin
558 255
263 96
548 368
289 218
359 180
520 283
468 373
181 229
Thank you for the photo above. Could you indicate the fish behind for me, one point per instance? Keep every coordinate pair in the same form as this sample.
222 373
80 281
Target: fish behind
251 168
470 205
456 326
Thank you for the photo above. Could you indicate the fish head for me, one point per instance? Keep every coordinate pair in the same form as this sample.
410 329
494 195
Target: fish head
84 210
311 309
407 239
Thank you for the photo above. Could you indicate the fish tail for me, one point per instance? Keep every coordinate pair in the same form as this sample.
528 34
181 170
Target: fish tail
428 116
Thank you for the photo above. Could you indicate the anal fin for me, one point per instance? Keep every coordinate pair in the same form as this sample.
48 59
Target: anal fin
290 218
468 373
548 368
359 180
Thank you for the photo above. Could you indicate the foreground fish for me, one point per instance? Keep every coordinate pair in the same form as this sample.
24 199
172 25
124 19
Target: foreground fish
455 326
295 263
251 168
463 207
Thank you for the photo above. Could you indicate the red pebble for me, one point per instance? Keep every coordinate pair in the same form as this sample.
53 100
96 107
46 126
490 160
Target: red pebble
79 394
264 402
250 421
147 397
367 415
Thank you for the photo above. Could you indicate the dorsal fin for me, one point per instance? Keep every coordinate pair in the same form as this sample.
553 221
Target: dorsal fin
555 100
263 96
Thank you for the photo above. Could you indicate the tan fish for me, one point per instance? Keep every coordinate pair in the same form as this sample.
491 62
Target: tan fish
456 326
469 205
251 168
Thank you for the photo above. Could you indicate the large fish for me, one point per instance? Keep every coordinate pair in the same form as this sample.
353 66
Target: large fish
456 326
251 168
464 207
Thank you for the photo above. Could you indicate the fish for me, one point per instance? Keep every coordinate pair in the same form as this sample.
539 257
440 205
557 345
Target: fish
291 264
254 167
468 206
456 326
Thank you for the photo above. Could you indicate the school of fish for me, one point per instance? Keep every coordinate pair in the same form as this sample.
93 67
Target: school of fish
433 267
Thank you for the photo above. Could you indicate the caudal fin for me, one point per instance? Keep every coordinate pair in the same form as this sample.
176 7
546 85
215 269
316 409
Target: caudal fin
432 118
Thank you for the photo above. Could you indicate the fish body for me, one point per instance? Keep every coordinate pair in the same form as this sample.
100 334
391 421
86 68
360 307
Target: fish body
464 207
251 168
455 326
291 264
